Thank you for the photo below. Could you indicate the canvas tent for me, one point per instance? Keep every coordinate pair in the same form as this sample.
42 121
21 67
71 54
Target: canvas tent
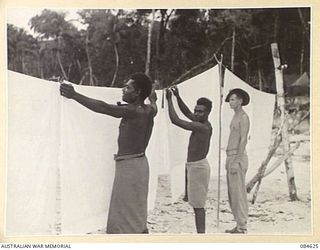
301 87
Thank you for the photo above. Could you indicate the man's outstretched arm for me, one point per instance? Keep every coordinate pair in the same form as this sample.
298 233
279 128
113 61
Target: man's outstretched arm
98 106
183 107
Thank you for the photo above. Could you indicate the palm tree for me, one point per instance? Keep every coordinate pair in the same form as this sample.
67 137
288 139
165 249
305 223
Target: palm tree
52 25
21 46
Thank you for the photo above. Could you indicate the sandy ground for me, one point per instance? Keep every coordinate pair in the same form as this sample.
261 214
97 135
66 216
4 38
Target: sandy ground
272 213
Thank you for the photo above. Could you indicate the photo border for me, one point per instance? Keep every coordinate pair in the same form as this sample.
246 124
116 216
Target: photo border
173 238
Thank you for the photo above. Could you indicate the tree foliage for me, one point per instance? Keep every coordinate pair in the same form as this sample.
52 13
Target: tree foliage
114 44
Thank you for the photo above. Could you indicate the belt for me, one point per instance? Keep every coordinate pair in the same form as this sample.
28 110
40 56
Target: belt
232 152
126 157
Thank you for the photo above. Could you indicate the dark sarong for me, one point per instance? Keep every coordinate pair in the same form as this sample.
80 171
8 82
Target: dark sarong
129 200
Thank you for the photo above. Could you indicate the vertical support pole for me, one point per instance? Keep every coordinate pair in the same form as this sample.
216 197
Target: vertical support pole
285 136
219 135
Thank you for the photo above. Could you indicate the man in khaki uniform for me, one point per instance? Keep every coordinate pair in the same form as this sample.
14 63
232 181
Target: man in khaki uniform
237 160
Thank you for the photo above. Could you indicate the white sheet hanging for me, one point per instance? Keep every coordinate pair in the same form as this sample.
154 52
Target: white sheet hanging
52 136
33 150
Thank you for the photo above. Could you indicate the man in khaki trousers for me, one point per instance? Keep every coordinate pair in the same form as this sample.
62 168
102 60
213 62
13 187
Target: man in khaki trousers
237 160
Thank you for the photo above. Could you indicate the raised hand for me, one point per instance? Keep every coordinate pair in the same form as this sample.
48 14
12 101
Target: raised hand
175 90
61 79
67 90
153 95
168 94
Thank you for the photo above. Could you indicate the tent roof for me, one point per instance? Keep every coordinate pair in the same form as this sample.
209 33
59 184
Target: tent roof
302 81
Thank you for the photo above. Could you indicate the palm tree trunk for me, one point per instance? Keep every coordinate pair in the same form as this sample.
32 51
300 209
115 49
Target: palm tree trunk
233 47
302 54
59 59
40 68
61 67
69 70
276 26
147 71
115 48
23 67
304 24
260 79
89 60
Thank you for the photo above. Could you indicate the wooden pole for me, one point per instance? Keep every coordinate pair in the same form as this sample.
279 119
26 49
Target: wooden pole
281 159
272 150
264 173
281 103
264 164
219 155
233 46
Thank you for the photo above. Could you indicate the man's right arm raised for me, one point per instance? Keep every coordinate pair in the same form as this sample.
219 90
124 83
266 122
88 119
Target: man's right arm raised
183 107
193 126
98 106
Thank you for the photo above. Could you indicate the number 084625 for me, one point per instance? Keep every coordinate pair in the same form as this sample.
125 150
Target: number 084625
313 246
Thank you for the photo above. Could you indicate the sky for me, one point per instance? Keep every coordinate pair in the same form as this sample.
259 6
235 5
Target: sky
20 17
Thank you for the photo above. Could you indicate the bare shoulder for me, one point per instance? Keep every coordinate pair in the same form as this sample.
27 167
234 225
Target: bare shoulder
204 127
244 119
244 116
143 110
149 109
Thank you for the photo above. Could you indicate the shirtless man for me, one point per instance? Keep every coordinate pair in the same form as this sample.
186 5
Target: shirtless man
198 169
128 205
237 160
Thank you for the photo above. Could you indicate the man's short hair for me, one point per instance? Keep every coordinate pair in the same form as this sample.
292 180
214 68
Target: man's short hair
143 83
205 102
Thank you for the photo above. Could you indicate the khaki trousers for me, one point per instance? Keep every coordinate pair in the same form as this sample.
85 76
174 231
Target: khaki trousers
236 173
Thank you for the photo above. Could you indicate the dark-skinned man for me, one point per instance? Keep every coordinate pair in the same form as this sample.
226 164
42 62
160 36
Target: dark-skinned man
198 169
128 205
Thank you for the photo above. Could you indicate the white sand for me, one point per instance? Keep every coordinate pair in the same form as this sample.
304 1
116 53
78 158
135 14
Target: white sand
272 213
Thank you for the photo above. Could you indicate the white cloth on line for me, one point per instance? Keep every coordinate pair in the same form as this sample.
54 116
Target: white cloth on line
33 155
49 135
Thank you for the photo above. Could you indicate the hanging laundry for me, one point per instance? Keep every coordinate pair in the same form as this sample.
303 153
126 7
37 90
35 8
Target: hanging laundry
60 159
60 166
